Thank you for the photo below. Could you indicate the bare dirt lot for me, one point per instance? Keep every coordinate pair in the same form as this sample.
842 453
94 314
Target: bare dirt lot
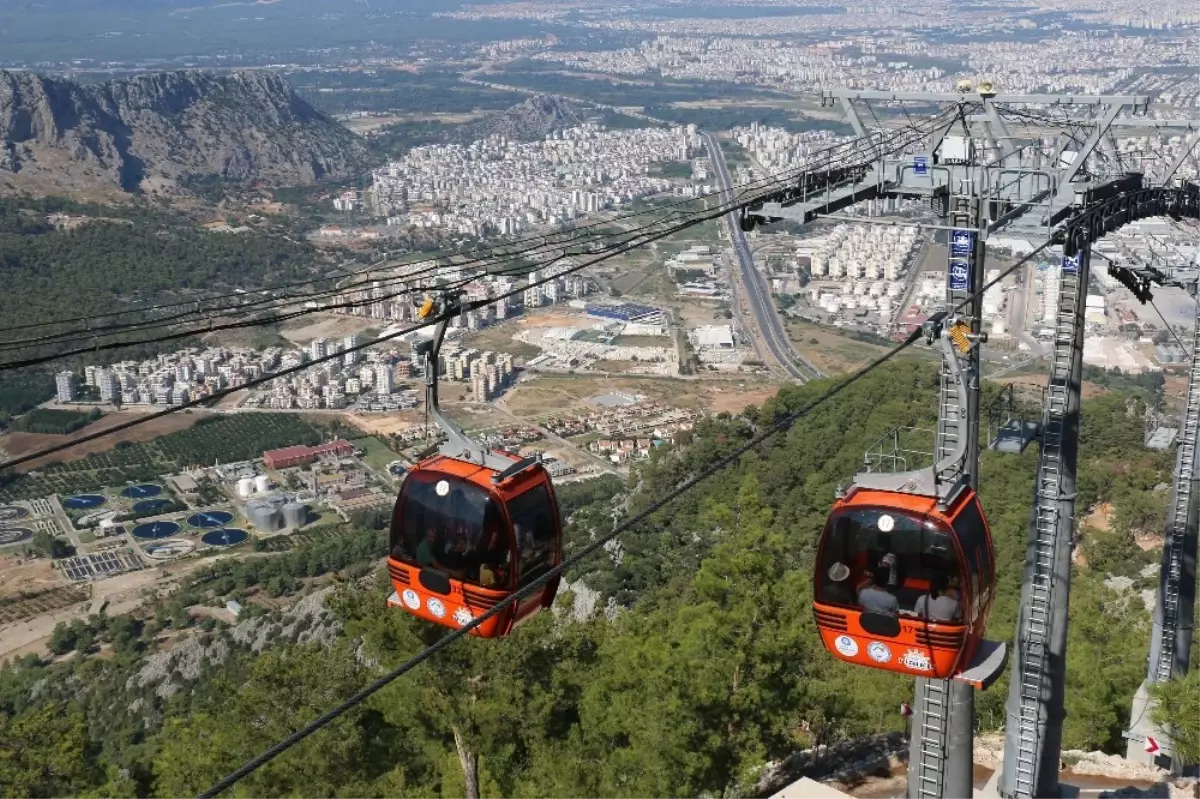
332 326
18 444
21 575
549 394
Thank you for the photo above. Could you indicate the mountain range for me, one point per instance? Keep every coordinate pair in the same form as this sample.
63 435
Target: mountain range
158 131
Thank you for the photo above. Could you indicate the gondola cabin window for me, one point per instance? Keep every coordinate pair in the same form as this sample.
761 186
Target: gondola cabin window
534 527
448 524
909 552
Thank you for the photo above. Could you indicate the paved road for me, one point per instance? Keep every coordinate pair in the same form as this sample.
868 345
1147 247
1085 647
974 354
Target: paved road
757 294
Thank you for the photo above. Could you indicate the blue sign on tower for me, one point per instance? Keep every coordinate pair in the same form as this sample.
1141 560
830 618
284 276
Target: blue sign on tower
1070 264
920 165
960 276
961 243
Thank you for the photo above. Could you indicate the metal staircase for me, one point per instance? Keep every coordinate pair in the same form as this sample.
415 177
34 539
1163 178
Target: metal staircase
1163 668
1034 640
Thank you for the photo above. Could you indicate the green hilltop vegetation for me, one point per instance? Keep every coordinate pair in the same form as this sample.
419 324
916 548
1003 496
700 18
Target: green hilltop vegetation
709 668
128 256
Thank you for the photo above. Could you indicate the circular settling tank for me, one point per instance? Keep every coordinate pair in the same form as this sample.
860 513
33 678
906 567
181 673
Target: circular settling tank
155 530
83 501
142 491
225 538
150 505
14 535
213 518
10 512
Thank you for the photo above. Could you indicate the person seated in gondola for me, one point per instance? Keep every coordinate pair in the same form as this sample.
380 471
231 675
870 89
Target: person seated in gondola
837 591
874 596
938 605
427 549
492 556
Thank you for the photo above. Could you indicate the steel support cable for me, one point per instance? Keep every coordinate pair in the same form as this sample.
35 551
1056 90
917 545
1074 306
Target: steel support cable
95 346
545 239
337 355
536 585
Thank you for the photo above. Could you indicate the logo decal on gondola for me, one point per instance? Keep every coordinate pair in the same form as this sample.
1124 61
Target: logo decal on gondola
879 652
442 488
846 645
915 659
436 607
411 599
463 616
886 523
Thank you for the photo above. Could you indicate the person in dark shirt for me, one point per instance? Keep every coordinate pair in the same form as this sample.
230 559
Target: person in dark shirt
836 589
427 548
874 596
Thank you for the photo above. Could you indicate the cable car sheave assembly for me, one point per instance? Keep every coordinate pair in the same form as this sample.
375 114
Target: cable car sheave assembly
894 545
471 525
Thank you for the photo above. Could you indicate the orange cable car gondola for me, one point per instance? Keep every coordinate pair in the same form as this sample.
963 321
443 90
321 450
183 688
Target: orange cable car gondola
906 570
471 526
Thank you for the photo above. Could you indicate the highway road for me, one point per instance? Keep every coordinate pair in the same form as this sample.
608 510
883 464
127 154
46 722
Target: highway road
770 326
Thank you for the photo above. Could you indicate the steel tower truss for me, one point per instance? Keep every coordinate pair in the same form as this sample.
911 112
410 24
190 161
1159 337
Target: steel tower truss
986 179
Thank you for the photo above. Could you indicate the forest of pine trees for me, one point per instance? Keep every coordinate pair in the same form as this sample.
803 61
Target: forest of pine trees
710 668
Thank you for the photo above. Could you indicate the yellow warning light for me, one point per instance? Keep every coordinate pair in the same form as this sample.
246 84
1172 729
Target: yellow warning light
964 86
958 335
985 87
426 308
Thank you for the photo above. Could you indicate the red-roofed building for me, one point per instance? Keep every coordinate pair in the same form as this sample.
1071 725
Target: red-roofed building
301 454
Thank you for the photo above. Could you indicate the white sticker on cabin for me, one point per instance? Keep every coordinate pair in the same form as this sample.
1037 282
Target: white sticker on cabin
886 523
463 616
436 607
442 488
915 659
879 652
411 599
846 645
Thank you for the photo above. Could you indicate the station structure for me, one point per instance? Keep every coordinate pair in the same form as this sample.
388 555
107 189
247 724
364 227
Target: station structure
984 179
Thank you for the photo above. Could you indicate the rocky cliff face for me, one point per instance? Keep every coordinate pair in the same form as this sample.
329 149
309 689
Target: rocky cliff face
156 131
527 121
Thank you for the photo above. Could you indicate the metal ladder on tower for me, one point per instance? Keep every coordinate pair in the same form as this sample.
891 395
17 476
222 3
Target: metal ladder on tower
935 701
934 695
1185 468
1035 632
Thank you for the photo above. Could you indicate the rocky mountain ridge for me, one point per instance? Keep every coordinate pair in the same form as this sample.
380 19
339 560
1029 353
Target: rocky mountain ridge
158 131
531 120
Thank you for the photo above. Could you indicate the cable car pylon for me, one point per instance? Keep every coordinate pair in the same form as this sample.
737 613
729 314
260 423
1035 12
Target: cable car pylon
1174 611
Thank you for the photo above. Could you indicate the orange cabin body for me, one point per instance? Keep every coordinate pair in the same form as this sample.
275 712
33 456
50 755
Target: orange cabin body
908 544
460 544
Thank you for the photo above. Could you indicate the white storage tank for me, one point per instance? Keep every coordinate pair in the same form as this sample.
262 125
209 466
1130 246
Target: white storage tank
261 483
245 487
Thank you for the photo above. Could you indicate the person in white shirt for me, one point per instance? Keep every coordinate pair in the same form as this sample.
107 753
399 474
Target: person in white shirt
937 605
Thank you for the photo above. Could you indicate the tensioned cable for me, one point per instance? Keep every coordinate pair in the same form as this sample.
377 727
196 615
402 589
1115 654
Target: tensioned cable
335 355
546 239
407 278
536 585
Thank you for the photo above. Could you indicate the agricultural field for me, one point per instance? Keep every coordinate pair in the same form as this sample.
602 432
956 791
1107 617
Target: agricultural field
284 543
54 422
25 607
213 438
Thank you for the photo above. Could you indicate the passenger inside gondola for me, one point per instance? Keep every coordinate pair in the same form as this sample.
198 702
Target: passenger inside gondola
938 604
874 596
